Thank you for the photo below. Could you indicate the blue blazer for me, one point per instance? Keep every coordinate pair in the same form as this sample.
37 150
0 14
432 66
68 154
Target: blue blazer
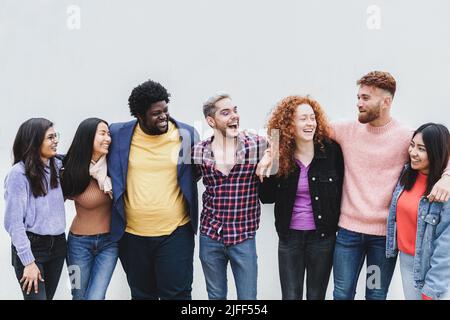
119 151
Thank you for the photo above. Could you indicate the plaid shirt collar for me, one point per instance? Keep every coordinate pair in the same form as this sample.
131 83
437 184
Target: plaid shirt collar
208 154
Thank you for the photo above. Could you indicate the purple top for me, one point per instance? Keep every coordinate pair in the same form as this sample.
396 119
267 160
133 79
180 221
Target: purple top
23 212
302 213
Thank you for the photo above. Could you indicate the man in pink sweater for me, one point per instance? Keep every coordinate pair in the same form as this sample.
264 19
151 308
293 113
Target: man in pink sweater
375 150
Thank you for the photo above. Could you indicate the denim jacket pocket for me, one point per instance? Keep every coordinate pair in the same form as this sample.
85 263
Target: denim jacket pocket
431 221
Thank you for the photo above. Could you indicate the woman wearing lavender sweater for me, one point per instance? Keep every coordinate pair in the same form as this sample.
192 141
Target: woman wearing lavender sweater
34 210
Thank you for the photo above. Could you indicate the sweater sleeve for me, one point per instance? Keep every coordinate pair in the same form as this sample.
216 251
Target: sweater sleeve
447 170
339 130
16 201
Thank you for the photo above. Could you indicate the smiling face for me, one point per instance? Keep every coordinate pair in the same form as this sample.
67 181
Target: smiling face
418 154
370 102
156 120
226 118
102 140
49 145
306 124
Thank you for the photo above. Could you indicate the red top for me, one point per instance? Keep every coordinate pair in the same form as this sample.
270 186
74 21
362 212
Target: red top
407 212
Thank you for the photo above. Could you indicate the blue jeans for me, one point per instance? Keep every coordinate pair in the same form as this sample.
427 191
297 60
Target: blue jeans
91 261
159 267
351 250
214 257
406 270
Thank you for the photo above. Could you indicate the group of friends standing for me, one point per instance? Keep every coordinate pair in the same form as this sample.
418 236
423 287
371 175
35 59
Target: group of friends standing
344 193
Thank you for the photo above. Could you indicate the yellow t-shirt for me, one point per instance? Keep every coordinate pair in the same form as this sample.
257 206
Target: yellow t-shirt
154 203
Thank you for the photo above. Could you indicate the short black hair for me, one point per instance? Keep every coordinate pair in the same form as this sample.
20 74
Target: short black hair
144 95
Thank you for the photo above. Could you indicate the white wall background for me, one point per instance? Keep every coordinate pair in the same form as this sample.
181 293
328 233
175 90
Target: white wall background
259 51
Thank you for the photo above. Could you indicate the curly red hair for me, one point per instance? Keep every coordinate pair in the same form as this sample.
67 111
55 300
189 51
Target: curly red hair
283 119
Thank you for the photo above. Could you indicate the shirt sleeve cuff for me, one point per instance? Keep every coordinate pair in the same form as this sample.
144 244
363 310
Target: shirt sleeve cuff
26 257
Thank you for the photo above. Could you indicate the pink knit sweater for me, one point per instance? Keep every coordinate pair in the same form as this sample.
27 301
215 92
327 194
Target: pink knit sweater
374 158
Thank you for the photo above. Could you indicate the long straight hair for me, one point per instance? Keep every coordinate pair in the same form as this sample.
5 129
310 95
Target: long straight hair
27 148
436 138
75 176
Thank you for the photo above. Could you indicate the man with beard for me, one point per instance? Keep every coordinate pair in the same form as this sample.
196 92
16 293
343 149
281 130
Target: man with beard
155 209
375 150
227 161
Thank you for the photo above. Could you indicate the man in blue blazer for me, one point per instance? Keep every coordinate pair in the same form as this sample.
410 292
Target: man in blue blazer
155 199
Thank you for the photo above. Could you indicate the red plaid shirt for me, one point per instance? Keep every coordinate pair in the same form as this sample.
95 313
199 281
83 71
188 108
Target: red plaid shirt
231 209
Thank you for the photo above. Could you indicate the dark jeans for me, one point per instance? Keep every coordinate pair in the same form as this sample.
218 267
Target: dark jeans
49 253
300 251
351 250
159 267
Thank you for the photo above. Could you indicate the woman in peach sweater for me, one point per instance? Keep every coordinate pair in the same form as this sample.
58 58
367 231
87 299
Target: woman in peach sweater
91 254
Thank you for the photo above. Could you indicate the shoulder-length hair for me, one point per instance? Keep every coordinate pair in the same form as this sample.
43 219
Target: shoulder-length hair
283 118
27 148
75 176
436 138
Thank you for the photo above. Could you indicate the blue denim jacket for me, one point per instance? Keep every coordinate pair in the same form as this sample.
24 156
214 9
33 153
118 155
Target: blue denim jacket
432 253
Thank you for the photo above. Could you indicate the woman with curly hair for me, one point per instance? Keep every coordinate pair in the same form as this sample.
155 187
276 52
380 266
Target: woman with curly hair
307 192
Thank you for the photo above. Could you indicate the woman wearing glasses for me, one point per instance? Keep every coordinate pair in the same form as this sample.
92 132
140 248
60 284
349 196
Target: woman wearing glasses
91 256
34 210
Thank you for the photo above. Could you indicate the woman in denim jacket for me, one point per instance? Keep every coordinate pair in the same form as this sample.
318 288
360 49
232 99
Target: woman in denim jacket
420 230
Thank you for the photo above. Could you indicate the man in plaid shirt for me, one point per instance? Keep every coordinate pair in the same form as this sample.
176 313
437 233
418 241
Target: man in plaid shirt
227 161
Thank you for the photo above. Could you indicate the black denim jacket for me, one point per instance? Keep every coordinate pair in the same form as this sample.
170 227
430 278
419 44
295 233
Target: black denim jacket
325 175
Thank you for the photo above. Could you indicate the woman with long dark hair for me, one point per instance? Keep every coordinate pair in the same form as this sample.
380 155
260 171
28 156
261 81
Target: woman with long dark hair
420 229
92 256
34 210
307 194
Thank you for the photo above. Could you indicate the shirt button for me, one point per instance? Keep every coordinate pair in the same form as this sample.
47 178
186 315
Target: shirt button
331 179
322 235
320 217
313 178
434 221
423 217
317 198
